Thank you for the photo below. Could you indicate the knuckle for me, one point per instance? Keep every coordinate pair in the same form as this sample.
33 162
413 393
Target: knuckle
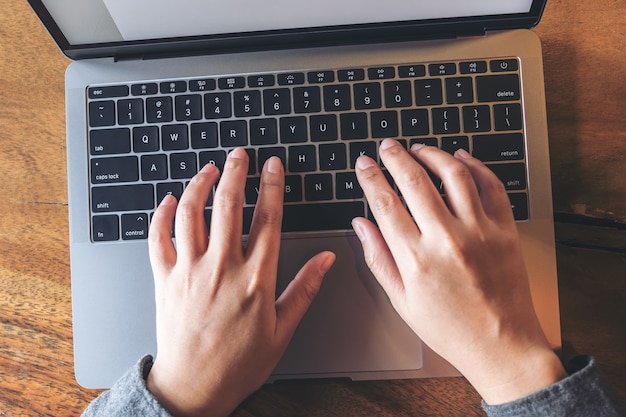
386 202
267 216
227 200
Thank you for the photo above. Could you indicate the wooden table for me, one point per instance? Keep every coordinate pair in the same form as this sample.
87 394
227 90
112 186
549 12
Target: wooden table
585 74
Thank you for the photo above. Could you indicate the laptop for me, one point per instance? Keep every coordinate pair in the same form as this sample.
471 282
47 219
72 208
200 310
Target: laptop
156 91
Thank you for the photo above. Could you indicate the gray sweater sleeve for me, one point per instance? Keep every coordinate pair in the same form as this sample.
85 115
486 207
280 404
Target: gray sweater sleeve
584 393
129 397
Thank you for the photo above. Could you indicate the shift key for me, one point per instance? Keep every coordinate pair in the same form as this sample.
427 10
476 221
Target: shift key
138 197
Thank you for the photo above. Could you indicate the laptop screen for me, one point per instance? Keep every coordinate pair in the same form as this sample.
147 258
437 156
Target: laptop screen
93 24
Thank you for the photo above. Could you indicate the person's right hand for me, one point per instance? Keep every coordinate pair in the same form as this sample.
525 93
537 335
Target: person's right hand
455 272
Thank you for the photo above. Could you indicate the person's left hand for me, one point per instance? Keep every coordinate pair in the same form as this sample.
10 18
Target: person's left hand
220 329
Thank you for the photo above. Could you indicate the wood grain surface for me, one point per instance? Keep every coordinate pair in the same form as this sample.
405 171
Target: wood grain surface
585 65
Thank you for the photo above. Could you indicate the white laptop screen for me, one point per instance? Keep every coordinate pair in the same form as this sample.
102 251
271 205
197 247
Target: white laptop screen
108 21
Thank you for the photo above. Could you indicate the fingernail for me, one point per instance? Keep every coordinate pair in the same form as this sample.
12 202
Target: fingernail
237 153
167 200
416 147
327 263
274 165
358 229
365 162
388 143
462 153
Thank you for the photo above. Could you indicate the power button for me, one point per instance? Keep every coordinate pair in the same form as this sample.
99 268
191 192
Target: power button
504 65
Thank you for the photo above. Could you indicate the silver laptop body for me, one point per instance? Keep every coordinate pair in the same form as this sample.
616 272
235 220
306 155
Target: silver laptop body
351 329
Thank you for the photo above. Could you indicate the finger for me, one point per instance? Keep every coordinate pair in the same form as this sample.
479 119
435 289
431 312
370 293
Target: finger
227 215
459 185
264 240
191 231
394 222
379 258
422 197
492 193
299 294
160 246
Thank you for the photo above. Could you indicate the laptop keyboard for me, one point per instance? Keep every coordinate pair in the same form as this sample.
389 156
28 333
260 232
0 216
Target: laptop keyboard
147 140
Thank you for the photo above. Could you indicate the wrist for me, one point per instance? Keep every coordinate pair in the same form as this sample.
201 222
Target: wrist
533 371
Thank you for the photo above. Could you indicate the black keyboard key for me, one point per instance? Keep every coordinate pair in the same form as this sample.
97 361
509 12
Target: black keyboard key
252 189
134 226
398 94
217 158
504 65
351 75
323 127
154 167
473 67
291 78
293 188
362 148
459 90
454 143
318 187
498 88
101 113
384 124
217 105
307 99
367 96
168 188
262 80
337 97
233 133
500 147
513 176
348 187
293 129
251 161
302 158
519 205
109 141
448 68
229 83
446 120
507 116
247 103
277 101
266 153
130 111
116 169
353 126
204 84
381 73
144 89
108 92
105 228
263 131
146 139
159 110
321 216
415 122
476 119
204 135
188 107
332 156
318 77
138 197
174 137
183 165
412 71
428 92
172 87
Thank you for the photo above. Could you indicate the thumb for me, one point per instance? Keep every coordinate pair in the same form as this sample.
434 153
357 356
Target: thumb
297 297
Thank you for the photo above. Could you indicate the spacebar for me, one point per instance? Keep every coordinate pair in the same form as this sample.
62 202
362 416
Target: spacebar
314 217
